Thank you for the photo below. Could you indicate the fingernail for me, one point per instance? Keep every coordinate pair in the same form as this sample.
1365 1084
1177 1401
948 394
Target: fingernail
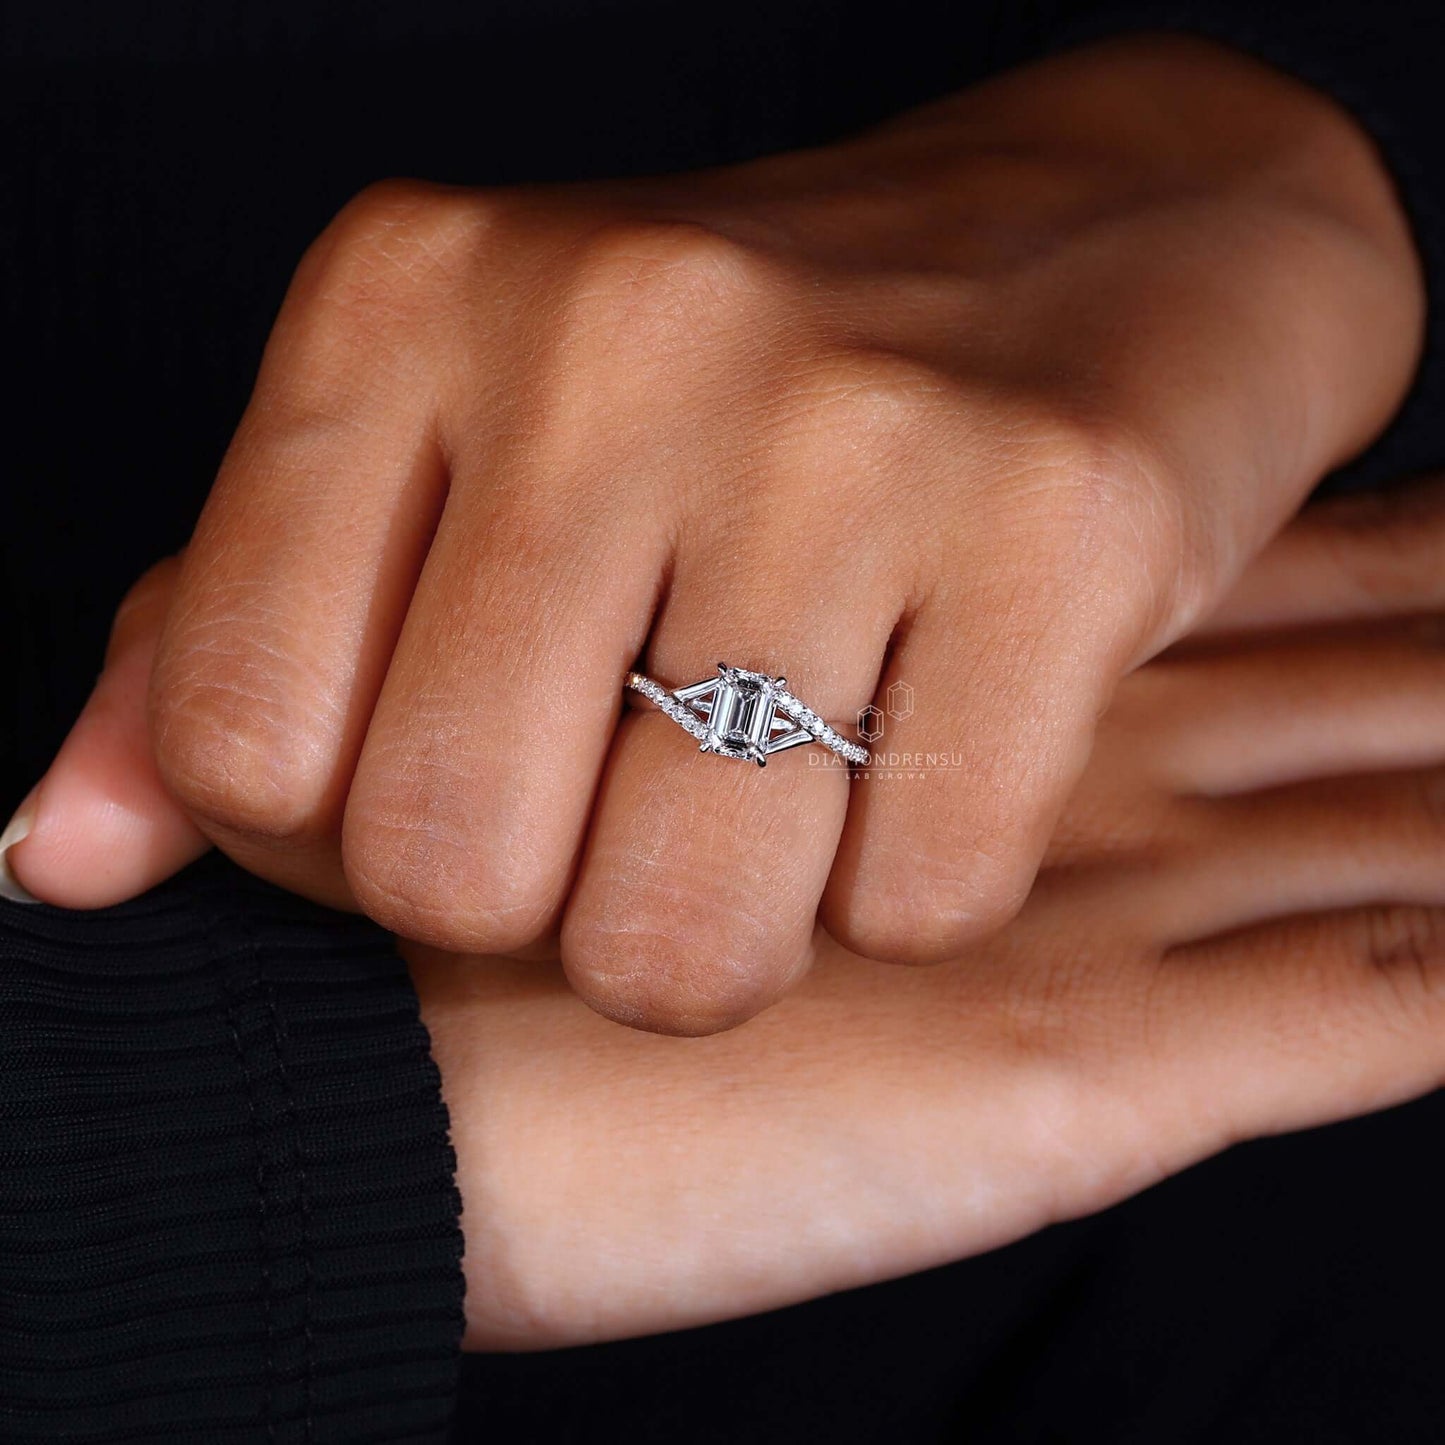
17 828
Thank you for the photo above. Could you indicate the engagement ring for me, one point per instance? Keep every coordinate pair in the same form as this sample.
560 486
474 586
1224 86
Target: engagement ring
741 714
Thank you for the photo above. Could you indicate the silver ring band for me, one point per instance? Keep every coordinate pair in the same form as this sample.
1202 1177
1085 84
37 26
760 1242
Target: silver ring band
742 714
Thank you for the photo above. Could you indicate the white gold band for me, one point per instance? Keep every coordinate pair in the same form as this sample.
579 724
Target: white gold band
742 714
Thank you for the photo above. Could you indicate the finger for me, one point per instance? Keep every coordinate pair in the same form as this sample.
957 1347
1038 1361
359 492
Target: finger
1307 848
1365 555
1337 700
101 825
1299 1022
988 706
471 798
472 794
295 584
699 887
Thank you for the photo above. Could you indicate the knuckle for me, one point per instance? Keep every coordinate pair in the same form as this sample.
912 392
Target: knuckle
391 246
651 979
922 910
867 399
234 753
640 283
374 300
1093 498
872 425
406 228
421 873
1117 490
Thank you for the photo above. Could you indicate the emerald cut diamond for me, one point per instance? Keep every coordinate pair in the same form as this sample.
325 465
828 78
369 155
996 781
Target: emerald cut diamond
740 709
745 715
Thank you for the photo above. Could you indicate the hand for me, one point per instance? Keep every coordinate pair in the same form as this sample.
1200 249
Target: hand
995 401
1240 930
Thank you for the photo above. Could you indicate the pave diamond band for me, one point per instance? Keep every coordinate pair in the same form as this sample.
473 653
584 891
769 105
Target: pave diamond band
742 714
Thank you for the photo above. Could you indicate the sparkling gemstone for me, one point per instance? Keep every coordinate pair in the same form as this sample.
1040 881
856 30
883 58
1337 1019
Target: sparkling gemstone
741 717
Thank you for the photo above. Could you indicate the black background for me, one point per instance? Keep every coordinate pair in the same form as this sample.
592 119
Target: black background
163 166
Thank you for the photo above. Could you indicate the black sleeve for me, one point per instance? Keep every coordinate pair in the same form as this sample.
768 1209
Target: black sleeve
1385 63
227 1208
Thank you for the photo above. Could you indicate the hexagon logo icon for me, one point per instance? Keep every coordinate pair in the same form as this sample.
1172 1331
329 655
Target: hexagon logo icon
870 724
900 701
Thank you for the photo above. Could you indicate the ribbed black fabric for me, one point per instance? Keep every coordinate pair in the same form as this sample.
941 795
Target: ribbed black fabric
227 1211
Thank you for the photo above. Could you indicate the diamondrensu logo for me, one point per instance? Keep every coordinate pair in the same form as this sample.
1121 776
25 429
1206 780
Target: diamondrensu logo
899 704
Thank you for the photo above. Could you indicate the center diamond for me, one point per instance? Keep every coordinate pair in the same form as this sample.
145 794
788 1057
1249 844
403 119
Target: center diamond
739 713
741 718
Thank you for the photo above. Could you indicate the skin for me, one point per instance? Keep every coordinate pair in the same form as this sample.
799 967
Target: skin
1239 929
997 401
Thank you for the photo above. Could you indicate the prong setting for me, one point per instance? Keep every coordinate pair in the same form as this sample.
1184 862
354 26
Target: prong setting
744 715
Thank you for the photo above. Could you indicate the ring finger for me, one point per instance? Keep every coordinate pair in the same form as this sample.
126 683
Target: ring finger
699 887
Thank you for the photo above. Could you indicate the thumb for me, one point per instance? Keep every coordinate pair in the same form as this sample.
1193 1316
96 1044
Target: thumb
100 827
